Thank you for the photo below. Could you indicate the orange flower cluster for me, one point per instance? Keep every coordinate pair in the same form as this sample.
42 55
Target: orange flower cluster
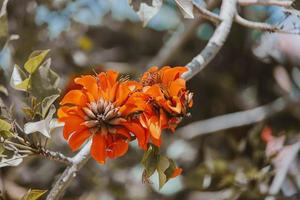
114 112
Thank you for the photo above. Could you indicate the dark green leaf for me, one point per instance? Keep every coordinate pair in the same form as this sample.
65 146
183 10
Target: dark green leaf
4 125
47 102
44 82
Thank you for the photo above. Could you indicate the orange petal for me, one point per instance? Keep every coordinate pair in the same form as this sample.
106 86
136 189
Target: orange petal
176 86
137 130
98 148
171 74
72 124
75 97
154 127
123 131
90 84
177 171
77 138
112 77
117 148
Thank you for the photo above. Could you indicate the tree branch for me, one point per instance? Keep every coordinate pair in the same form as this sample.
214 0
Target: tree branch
228 10
78 161
178 38
285 4
237 119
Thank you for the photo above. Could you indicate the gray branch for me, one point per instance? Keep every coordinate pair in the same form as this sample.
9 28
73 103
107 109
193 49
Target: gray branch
236 119
78 161
228 11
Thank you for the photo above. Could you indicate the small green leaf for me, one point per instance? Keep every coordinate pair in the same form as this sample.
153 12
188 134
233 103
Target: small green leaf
2 149
163 165
24 85
17 77
47 102
150 160
34 194
44 82
4 125
3 90
35 60
6 133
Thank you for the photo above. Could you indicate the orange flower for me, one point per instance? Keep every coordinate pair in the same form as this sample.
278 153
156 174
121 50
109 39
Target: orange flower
167 100
103 110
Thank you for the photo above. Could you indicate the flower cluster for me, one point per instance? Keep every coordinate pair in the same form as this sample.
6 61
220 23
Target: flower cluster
115 111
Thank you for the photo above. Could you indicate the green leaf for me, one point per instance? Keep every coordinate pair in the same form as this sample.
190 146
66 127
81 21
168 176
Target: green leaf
47 102
17 78
3 90
34 194
163 165
35 60
3 21
6 134
24 85
2 149
150 160
4 125
44 82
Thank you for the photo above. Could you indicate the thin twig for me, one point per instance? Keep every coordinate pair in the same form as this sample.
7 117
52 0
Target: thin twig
236 119
261 26
214 18
53 155
285 4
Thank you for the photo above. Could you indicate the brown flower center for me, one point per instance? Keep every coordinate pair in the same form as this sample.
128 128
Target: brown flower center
101 116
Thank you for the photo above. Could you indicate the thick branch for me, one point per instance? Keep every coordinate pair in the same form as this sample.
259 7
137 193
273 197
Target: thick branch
178 38
286 4
65 179
228 10
237 119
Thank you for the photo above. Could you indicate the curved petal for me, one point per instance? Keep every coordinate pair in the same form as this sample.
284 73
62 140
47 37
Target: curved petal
172 74
77 138
137 130
176 86
117 148
89 82
75 97
98 148
72 123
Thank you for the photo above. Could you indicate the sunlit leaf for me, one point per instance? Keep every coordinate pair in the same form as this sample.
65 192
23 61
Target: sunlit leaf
34 194
3 20
186 8
6 133
24 85
146 12
17 78
163 165
4 125
42 126
47 102
3 90
35 61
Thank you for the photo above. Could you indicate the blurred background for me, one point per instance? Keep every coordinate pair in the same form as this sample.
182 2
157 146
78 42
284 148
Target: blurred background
250 70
